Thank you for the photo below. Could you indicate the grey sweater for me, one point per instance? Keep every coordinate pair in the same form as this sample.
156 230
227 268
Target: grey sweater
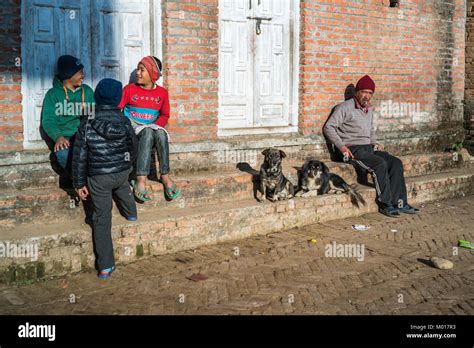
349 125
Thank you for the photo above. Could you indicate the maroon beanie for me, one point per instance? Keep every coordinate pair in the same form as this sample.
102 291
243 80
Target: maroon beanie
365 83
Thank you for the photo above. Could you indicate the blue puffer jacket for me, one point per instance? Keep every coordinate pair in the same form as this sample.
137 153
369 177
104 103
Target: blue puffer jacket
104 144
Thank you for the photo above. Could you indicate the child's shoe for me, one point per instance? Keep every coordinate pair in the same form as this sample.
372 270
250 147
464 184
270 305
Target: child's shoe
105 273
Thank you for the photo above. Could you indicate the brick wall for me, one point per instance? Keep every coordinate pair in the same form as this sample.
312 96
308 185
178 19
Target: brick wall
469 95
414 53
191 67
11 120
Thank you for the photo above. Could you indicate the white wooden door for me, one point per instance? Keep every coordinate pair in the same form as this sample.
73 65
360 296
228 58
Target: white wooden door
235 65
51 28
120 37
108 36
254 69
272 69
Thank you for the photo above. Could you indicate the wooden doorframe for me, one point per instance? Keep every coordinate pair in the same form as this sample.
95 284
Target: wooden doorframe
27 98
295 20
156 34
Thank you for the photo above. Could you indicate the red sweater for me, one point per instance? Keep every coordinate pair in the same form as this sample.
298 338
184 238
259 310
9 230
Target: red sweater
146 106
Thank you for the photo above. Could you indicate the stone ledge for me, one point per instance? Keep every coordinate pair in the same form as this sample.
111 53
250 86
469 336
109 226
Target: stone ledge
159 233
40 204
257 142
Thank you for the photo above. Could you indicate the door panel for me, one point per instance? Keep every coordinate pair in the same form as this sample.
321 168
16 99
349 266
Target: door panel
120 37
58 27
235 68
272 67
254 69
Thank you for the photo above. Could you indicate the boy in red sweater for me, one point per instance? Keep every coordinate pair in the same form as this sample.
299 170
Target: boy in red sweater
147 106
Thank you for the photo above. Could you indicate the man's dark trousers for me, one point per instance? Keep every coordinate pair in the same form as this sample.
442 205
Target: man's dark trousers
101 188
386 171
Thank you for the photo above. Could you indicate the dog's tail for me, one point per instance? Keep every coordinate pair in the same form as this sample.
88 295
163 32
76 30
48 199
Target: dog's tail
356 197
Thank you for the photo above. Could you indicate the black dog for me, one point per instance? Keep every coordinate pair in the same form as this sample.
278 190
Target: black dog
315 179
273 183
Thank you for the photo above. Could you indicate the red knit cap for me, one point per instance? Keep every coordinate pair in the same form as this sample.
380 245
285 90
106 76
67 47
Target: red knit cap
365 83
152 67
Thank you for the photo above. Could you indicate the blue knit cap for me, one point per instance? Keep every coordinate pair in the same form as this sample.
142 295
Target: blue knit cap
108 92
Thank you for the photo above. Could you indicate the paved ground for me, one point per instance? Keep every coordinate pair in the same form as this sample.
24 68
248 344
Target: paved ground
284 273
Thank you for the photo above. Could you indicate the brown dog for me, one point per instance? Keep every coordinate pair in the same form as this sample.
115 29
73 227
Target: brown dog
273 184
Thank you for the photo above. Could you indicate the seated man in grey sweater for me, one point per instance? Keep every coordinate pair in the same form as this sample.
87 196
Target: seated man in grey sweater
350 129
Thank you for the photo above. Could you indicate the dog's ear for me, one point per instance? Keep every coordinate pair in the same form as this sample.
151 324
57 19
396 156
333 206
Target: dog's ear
282 154
265 152
324 168
305 167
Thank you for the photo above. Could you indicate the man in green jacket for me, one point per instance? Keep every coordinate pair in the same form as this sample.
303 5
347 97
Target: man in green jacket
63 105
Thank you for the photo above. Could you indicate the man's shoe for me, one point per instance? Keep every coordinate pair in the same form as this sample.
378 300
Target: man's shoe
389 211
408 209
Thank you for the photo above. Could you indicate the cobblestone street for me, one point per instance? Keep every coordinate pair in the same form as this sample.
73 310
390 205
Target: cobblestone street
286 273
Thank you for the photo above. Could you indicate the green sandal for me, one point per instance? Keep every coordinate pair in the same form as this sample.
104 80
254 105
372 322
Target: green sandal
172 192
138 193
465 244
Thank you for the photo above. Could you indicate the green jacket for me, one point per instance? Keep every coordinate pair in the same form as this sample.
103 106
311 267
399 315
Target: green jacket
61 115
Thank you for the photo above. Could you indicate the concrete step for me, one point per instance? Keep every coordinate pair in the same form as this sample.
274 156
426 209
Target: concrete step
33 169
65 247
53 204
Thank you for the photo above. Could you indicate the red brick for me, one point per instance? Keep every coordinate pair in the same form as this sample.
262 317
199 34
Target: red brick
403 55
